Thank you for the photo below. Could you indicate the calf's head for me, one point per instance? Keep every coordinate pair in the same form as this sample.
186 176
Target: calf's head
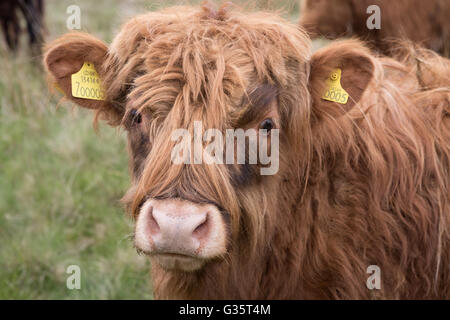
185 68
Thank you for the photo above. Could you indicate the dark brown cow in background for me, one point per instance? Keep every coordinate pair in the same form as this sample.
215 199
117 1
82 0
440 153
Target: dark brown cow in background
33 13
360 183
424 22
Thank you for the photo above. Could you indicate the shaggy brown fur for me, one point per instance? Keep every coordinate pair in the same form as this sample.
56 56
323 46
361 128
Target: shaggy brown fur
359 184
424 22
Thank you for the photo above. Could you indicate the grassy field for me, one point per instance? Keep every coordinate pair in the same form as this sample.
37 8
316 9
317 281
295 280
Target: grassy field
60 182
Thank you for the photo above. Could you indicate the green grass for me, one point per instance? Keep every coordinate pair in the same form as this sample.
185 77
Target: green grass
60 182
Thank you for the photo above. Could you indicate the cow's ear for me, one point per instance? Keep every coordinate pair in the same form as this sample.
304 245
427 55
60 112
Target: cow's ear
66 55
345 64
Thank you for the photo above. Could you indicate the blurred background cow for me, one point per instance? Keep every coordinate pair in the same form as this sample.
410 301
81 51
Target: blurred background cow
424 22
33 13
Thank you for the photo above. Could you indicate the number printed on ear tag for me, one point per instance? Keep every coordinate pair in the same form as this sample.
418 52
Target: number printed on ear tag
86 83
334 91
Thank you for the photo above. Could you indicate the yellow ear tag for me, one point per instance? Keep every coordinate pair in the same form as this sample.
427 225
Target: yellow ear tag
86 83
335 92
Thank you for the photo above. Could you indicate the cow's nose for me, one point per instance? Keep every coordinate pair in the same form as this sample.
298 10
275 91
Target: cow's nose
180 229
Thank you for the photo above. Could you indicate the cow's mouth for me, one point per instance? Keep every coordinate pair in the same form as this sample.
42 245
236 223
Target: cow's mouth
178 262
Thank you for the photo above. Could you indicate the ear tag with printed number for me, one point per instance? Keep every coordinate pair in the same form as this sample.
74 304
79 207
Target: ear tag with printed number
86 83
335 92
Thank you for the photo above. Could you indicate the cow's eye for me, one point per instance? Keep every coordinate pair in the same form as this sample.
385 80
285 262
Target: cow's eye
135 116
267 125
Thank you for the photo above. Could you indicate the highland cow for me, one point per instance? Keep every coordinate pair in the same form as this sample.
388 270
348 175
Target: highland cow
360 183
423 22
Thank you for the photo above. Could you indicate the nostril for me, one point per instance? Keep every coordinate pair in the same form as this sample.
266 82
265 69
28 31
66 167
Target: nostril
152 223
201 231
